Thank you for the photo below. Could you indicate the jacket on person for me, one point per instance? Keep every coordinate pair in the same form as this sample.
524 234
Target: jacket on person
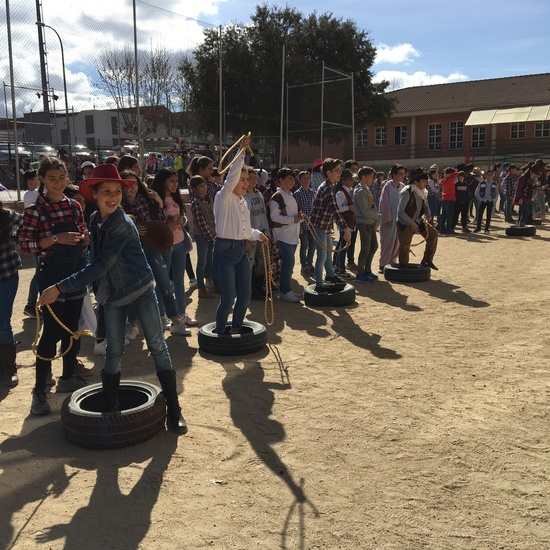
365 207
117 255
411 206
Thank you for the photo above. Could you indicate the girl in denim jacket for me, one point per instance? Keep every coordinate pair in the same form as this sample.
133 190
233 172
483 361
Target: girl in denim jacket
124 277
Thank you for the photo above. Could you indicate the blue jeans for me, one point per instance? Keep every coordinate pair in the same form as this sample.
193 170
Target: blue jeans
339 258
524 213
163 288
435 206
446 219
234 276
307 248
177 260
147 310
288 253
204 259
8 290
324 259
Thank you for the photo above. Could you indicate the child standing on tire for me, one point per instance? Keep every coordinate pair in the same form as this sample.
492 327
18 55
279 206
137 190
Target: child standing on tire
124 277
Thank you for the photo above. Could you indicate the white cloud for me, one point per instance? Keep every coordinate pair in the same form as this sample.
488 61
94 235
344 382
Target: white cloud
400 53
401 79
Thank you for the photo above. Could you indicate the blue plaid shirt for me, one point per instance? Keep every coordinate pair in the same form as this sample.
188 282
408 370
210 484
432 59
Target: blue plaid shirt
10 262
305 200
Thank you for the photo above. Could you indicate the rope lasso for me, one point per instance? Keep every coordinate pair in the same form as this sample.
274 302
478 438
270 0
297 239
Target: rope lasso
410 245
224 170
74 335
311 228
268 304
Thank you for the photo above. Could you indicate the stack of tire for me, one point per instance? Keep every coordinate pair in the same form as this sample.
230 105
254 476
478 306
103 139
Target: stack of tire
336 295
413 273
517 231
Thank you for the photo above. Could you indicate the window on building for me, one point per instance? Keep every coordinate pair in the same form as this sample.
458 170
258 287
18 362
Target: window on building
361 138
400 135
478 137
89 124
380 137
114 125
517 131
434 137
456 135
90 143
542 129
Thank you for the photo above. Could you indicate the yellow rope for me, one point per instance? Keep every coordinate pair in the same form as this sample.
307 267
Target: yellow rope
318 241
268 304
224 170
74 335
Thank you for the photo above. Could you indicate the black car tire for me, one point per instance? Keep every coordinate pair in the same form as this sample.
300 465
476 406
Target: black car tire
252 339
338 295
517 231
413 273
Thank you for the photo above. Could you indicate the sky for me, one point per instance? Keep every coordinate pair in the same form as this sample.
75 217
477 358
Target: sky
418 43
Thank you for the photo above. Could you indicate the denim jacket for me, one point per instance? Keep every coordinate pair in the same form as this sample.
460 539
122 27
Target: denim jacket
116 254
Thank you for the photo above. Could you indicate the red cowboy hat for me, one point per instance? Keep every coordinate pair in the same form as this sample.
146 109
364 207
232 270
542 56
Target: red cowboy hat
103 172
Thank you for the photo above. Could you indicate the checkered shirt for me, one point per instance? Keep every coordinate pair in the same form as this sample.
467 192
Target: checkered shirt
10 262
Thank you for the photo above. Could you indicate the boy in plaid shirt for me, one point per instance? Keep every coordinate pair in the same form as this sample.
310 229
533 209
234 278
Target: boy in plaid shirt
305 197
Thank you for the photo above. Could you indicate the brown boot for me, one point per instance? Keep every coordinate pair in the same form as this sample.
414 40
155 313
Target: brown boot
7 360
203 293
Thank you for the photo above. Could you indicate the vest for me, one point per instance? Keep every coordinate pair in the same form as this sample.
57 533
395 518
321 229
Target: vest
278 198
349 216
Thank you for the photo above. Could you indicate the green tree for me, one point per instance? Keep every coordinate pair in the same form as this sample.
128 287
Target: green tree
252 64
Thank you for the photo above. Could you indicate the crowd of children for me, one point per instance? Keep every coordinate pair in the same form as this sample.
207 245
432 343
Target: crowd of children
127 241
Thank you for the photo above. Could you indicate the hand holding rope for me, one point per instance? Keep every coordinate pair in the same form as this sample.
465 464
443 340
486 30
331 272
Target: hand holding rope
246 147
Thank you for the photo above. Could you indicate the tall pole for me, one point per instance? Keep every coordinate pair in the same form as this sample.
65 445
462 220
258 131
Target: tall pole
220 98
40 24
322 107
44 78
282 108
352 117
287 102
138 115
13 113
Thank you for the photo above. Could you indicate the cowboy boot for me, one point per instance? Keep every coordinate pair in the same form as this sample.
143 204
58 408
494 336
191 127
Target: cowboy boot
110 384
176 422
9 368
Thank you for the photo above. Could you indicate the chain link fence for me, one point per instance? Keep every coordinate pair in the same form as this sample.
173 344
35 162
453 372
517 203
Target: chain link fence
98 113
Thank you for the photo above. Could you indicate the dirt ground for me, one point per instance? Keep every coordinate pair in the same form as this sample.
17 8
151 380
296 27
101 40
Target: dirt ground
417 418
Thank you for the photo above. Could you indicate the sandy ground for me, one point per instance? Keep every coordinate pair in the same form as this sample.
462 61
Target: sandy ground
418 418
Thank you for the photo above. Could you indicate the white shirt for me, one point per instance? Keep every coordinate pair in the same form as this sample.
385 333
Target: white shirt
29 197
231 212
290 232
342 200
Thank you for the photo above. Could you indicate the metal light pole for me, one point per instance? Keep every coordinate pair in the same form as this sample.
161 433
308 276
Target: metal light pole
40 24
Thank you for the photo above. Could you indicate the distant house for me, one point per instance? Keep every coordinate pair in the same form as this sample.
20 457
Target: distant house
480 121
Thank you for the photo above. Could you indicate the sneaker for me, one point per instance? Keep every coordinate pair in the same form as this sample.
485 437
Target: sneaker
321 290
72 384
29 312
40 403
363 278
334 279
346 276
100 348
81 369
188 321
486 231
192 283
371 275
465 230
132 331
210 286
352 266
289 297
165 322
178 327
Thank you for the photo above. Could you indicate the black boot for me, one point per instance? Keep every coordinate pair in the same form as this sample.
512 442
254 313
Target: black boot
176 422
9 368
110 383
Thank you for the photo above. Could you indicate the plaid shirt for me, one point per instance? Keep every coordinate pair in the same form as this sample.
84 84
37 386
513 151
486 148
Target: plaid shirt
141 211
200 220
211 189
36 227
10 262
305 199
509 186
325 209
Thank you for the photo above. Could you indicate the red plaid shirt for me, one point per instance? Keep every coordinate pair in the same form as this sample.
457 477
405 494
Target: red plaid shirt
35 225
325 209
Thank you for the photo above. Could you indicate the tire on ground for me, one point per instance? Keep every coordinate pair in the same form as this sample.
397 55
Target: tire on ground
142 416
338 295
537 221
414 273
517 231
253 339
